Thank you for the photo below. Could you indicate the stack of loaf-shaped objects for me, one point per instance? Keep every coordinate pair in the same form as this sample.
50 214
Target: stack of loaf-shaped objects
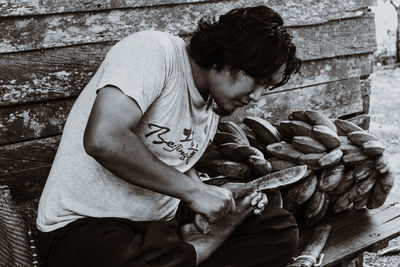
347 166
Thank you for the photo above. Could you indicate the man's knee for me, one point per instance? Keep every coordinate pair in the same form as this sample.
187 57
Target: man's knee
289 230
281 235
276 228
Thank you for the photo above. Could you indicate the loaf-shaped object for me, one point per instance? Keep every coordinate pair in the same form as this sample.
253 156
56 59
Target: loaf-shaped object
259 165
233 128
361 137
266 133
373 148
345 127
307 144
284 151
326 136
223 137
317 118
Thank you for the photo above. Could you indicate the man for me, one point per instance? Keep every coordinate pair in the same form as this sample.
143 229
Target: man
125 159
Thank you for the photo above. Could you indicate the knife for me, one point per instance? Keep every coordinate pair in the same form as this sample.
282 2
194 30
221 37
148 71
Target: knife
266 182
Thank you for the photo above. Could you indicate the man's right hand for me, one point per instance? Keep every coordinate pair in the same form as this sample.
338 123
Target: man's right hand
212 201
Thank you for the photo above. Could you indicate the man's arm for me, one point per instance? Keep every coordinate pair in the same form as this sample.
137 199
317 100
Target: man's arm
110 139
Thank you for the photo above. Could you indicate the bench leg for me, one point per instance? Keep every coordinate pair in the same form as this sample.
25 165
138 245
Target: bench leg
354 262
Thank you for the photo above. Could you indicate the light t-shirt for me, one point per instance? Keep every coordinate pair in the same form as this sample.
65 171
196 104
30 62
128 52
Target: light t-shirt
153 69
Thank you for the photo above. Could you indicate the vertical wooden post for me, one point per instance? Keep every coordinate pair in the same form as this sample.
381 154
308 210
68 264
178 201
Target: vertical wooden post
396 5
398 36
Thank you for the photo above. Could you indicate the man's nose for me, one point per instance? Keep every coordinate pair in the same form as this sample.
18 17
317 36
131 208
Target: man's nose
256 94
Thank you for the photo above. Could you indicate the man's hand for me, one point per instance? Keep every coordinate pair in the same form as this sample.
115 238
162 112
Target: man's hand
213 202
259 201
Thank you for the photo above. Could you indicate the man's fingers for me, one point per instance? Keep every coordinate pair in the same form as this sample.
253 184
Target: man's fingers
256 199
258 211
233 205
264 200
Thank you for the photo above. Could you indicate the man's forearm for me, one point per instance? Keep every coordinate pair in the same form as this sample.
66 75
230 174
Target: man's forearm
128 158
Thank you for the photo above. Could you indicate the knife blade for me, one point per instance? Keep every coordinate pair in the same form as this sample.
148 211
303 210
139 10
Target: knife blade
269 181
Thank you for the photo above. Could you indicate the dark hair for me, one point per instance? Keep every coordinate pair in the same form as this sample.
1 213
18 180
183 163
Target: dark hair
250 39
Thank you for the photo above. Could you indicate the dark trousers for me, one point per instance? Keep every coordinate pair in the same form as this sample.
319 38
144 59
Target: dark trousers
267 240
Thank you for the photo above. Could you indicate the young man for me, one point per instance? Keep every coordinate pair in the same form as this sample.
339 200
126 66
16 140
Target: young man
125 159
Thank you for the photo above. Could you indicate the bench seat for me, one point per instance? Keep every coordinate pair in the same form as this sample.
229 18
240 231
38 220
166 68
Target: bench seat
354 232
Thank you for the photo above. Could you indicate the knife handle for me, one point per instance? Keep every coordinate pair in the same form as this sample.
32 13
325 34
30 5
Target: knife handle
201 223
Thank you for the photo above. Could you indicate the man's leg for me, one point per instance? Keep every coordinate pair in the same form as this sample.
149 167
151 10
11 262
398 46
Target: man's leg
115 242
268 240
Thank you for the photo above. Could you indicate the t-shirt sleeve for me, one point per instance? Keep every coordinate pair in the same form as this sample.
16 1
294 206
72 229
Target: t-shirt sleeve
137 66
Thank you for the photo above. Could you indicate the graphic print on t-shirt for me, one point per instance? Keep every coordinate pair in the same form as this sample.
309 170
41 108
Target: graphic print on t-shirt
185 147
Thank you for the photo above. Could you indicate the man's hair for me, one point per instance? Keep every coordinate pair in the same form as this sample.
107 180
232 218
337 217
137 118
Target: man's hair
250 39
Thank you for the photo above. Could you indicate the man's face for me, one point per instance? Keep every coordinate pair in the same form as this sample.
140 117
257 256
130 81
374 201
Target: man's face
230 92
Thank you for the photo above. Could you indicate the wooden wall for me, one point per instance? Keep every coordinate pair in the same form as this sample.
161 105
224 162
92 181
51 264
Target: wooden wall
49 50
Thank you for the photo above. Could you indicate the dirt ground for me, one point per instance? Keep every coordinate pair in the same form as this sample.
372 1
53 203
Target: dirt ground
385 124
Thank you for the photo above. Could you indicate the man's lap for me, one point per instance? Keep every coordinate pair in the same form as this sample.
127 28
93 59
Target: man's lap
271 237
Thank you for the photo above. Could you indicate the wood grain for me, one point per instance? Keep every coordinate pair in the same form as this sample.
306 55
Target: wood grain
294 12
370 227
335 99
25 122
49 74
64 72
339 98
328 39
24 166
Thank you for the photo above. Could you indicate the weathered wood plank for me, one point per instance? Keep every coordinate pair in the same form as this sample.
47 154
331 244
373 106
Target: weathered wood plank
333 38
370 227
335 99
64 72
316 9
49 74
25 156
43 7
325 70
366 92
24 122
24 166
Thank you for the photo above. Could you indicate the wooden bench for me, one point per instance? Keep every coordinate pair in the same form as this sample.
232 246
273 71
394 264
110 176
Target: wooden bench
355 232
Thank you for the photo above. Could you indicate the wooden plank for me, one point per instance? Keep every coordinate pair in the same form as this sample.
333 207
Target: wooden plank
369 228
366 92
49 74
335 99
333 38
26 122
64 72
32 7
314 72
24 156
47 118
295 12
25 166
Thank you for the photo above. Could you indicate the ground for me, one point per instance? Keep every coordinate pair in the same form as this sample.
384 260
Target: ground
385 124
